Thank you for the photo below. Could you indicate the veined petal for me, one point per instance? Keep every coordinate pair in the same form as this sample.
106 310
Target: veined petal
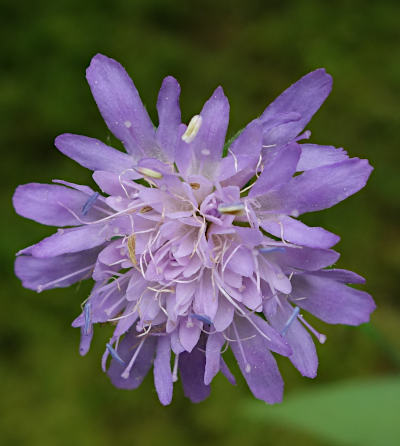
121 107
330 300
303 99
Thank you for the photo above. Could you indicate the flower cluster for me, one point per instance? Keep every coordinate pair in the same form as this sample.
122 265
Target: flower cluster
194 244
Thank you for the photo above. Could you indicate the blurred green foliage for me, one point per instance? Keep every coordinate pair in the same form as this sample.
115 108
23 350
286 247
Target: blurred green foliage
255 49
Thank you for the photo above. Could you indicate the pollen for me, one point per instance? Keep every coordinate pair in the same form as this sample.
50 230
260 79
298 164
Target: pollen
131 248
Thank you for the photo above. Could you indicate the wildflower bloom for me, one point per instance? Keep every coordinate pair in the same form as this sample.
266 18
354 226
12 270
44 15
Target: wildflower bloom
194 248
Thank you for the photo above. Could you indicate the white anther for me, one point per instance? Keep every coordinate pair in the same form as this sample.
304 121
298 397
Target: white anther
192 129
232 209
145 171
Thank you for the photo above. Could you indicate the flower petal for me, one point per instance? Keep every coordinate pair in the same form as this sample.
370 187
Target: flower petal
215 342
301 100
92 153
206 147
304 355
191 367
121 107
62 271
319 188
189 335
144 360
304 258
162 370
70 240
313 156
278 169
330 300
295 231
257 365
243 153
52 205
169 116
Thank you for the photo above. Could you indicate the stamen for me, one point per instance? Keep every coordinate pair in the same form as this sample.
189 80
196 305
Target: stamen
289 322
321 337
145 171
192 129
127 371
247 366
231 301
268 250
87 315
231 209
114 354
40 288
235 160
175 370
89 203
131 248
201 318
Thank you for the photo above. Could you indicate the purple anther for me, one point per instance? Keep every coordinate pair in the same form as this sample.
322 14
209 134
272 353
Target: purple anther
114 354
201 318
274 249
289 322
88 317
89 203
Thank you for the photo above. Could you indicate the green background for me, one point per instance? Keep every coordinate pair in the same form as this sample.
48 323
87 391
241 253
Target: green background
255 49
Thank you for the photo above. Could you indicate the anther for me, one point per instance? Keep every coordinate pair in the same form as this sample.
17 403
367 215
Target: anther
201 318
114 354
192 129
89 203
131 242
146 172
289 322
274 249
87 316
231 209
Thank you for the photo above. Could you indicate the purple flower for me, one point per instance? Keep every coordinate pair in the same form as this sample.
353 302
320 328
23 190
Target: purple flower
193 252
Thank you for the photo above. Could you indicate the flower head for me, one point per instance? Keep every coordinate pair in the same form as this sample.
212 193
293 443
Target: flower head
194 244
